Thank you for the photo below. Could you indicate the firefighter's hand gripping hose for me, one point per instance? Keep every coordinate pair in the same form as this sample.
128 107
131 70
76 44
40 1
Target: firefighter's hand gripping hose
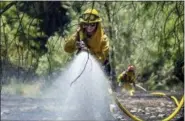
171 116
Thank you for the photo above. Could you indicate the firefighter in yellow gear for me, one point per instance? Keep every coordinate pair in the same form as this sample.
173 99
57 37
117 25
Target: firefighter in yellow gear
127 79
90 36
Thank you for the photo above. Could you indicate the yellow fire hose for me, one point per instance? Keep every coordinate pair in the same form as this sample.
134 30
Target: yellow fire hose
172 115
175 100
163 94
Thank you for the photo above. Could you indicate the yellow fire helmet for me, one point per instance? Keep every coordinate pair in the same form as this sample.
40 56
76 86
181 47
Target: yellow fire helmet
90 16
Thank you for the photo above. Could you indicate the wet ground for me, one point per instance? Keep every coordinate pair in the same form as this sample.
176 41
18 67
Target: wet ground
145 106
15 107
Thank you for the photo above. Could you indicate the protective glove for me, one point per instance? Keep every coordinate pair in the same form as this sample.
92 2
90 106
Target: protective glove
81 45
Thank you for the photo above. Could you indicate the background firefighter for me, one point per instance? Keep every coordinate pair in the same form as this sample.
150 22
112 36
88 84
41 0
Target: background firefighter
127 79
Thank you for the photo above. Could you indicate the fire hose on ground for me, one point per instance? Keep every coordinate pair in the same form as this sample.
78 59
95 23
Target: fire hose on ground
168 118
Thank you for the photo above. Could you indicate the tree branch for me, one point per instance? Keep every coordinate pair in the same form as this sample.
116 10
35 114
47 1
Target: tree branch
7 7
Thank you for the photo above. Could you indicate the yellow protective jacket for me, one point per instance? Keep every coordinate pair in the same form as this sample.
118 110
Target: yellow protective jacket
126 77
98 43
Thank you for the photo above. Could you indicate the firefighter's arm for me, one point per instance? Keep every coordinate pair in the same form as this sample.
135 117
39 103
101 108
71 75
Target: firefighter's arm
70 44
103 55
119 77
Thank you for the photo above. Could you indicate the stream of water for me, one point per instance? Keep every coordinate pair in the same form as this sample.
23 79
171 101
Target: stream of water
88 97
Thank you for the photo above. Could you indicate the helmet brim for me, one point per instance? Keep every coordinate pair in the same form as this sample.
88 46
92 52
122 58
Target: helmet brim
95 21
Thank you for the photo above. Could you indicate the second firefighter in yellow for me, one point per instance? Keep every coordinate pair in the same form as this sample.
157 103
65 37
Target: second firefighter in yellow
127 79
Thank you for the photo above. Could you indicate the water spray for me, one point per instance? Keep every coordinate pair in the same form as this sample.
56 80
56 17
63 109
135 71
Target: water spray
83 68
88 99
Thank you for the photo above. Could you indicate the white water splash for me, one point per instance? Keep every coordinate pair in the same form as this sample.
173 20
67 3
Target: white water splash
87 98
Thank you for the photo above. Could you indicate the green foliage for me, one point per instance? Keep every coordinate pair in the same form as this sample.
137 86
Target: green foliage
55 59
26 28
148 35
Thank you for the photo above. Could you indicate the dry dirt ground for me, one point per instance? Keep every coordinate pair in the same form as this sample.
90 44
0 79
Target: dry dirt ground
149 107
145 106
